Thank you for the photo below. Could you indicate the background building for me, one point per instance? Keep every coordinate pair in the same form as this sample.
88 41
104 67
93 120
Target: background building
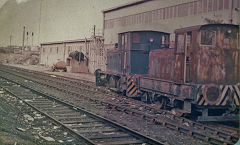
166 16
92 49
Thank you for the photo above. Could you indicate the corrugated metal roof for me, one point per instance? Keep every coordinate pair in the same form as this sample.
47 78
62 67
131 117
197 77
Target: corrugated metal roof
52 43
73 41
78 40
125 5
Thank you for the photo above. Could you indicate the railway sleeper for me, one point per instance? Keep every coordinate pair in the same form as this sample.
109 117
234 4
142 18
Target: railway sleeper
109 135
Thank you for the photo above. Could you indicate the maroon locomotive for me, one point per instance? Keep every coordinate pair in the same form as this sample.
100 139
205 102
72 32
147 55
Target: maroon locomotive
200 75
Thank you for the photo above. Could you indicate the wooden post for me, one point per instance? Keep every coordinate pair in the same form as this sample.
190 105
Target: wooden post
23 38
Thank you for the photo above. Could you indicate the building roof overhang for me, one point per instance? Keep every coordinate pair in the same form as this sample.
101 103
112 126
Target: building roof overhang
125 5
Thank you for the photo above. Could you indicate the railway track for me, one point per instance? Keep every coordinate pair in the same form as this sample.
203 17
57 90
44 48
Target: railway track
22 121
196 130
83 124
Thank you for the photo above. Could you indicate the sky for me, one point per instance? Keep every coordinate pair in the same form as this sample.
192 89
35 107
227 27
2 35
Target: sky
59 19
2 2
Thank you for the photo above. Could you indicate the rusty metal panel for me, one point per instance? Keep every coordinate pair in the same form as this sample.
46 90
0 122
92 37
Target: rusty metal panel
114 61
178 68
161 64
78 67
138 62
167 87
194 59
218 66
213 55
218 62
154 84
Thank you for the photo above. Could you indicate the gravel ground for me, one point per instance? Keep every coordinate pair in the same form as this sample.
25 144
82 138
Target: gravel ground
147 128
20 124
82 76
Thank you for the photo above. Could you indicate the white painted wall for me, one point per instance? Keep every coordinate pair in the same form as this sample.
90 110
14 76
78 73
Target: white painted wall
52 53
49 54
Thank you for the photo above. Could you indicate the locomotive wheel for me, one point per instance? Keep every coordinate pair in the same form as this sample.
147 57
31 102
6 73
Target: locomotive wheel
118 84
112 82
162 103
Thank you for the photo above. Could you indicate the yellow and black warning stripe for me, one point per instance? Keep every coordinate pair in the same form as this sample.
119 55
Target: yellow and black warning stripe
236 94
227 93
224 97
132 89
200 98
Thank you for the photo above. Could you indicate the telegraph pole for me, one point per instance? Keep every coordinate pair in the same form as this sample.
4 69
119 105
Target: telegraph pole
39 25
94 30
10 41
32 39
10 46
27 41
23 38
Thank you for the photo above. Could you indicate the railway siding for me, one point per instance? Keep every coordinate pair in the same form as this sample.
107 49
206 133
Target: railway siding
21 124
90 127
158 120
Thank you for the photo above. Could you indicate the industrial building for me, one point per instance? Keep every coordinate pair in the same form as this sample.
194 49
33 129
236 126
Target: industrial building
166 16
92 49
154 15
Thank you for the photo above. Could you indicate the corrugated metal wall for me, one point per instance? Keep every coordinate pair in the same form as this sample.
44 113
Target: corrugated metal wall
166 16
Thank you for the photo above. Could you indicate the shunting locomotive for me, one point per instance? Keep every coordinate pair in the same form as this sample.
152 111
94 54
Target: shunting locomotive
199 76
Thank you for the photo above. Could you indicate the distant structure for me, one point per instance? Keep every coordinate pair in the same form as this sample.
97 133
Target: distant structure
158 15
81 55
11 49
166 16
18 49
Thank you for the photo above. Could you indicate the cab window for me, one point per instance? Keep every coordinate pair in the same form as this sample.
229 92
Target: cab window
180 43
165 41
208 37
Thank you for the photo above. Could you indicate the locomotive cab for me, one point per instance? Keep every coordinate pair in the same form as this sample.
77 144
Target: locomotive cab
207 57
207 54
130 60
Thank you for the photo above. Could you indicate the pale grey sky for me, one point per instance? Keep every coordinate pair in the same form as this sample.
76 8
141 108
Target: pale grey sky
60 19
2 2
